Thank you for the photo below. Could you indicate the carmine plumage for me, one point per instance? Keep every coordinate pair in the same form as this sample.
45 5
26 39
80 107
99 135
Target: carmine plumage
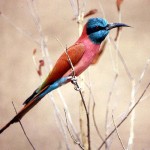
82 54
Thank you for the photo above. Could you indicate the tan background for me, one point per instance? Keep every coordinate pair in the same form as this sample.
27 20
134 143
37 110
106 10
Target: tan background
19 78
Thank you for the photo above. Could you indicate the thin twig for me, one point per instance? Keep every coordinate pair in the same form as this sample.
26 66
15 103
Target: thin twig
73 138
107 108
23 32
122 60
93 107
102 9
80 19
75 10
70 62
23 128
63 100
123 147
145 97
43 44
115 69
127 115
46 57
87 115
60 120
78 7
77 87
68 114
132 119
145 69
95 124
93 111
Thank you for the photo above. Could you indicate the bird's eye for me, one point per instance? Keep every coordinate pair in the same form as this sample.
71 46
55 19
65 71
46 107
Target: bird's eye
97 28
94 29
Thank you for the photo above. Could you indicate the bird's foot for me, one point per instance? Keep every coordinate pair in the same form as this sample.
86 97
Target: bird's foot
74 81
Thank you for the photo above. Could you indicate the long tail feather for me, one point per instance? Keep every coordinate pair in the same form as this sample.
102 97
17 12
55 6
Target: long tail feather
33 100
22 112
30 104
30 98
6 126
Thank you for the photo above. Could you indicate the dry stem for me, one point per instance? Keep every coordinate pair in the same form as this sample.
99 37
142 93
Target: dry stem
123 147
127 115
77 87
23 129
73 138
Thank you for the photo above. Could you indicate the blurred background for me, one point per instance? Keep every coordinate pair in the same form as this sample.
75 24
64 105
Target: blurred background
18 76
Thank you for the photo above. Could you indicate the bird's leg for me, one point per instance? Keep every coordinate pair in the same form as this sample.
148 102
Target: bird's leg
75 83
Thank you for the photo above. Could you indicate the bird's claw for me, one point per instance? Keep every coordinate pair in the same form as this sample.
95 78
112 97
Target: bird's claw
74 81
77 88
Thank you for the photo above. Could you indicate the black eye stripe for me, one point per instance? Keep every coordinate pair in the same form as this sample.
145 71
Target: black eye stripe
94 29
99 28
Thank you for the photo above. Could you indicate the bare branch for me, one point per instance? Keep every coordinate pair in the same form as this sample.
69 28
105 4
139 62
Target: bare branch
43 44
23 129
123 147
73 138
75 9
77 87
93 110
24 33
122 60
132 101
95 124
63 99
127 115
102 9
108 105
145 69
72 67
87 114
60 120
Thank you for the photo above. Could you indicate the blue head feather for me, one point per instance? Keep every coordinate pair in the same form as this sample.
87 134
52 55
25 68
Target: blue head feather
96 29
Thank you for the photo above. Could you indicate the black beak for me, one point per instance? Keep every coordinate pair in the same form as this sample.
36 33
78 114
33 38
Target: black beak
115 25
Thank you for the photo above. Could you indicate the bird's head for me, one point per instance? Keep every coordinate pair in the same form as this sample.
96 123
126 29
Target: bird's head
97 29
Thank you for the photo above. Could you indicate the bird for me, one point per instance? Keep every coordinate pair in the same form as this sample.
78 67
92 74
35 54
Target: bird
82 54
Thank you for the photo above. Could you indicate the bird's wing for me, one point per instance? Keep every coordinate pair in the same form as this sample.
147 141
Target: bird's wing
62 65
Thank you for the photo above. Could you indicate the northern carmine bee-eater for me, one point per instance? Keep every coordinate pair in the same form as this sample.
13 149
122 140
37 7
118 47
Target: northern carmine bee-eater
81 54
